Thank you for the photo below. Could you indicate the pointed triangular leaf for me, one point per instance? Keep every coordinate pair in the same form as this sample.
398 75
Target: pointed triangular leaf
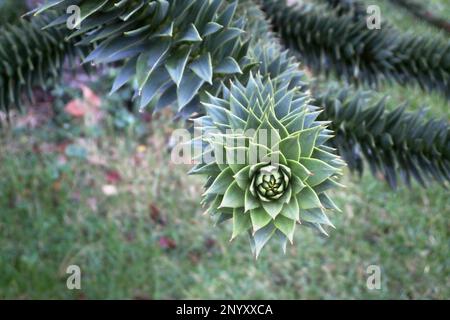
290 148
228 66
307 140
191 34
242 177
250 201
308 199
273 208
298 170
291 210
260 218
315 215
261 237
188 89
285 225
241 222
319 169
202 67
176 64
234 197
221 183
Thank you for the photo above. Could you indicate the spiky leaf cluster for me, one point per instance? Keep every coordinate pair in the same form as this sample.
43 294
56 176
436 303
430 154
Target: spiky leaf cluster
328 42
279 181
29 56
394 143
172 48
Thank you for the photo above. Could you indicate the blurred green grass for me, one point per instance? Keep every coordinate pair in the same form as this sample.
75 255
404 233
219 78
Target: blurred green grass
152 241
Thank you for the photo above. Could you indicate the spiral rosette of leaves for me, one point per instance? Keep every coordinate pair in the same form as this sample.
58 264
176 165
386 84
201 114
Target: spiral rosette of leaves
266 186
172 48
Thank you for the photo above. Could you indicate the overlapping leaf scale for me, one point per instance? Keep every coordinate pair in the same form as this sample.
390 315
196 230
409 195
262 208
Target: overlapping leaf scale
172 49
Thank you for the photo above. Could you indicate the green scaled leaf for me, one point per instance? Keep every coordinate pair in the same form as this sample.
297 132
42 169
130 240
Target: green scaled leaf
228 66
221 183
202 67
308 140
189 86
234 197
260 218
273 208
308 199
261 237
150 60
291 210
315 215
290 148
286 225
191 35
242 178
176 64
250 201
319 169
241 222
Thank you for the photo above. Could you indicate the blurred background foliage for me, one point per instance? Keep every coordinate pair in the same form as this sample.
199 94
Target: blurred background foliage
11 10
85 179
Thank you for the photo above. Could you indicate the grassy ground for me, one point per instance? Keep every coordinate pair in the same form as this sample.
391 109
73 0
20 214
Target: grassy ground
117 207
149 239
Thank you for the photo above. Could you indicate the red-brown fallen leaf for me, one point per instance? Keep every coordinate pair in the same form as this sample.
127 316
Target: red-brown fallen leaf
90 97
167 243
210 243
156 216
76 108
113 177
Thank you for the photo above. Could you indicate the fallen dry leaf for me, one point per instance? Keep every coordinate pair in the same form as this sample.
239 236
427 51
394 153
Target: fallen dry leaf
76 108
167 243
113 177
90 97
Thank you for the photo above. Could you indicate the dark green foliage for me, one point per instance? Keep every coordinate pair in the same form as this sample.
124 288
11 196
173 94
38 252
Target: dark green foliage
348 7
172 48
392 142
31 56
329 42
10 10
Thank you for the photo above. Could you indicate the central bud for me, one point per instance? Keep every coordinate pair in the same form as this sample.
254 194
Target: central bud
270 182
